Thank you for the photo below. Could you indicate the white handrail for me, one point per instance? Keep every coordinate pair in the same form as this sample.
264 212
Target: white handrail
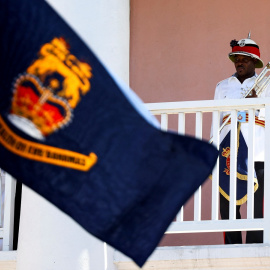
216 107
197 225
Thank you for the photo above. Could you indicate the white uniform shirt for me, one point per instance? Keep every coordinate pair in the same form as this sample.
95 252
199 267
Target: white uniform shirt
232 88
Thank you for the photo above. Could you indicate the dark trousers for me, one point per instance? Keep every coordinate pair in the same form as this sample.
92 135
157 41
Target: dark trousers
252 236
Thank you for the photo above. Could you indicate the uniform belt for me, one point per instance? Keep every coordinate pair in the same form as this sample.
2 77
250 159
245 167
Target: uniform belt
257 121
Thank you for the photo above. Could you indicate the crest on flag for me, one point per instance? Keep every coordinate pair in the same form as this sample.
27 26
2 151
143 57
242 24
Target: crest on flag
226 153
52 86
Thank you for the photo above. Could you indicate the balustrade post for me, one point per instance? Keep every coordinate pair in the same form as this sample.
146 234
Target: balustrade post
10 186
215 173
267 176
233 168
251 132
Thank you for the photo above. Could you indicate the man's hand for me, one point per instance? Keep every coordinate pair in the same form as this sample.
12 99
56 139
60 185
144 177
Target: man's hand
252 94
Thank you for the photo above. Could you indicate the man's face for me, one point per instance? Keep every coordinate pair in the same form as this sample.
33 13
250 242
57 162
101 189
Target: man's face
244 65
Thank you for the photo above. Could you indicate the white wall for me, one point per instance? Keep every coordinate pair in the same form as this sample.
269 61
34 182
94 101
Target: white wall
104 26
48 238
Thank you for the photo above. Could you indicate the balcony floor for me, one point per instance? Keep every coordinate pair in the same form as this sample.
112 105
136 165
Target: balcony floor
251 256
8 260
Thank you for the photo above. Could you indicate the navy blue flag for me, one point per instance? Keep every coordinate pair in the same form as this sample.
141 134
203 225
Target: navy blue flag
242 168
69 132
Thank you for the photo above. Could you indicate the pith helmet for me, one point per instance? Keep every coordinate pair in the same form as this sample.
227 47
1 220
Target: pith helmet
247 47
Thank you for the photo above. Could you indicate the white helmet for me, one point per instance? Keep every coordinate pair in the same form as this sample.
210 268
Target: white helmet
247 47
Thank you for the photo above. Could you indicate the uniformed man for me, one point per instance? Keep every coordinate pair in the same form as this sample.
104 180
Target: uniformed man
246 58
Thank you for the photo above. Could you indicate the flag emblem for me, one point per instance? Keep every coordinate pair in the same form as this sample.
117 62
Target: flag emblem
45 95
226 153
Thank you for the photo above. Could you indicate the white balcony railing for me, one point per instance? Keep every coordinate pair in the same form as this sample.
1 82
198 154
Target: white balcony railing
202 110
7 195
199 108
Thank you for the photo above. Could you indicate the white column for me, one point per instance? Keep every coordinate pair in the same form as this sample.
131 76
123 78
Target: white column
104 26
49 239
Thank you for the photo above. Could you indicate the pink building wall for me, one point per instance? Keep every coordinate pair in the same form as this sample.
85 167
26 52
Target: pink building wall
179 52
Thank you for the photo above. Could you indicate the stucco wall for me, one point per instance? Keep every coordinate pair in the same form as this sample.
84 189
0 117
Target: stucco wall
179 52
179 48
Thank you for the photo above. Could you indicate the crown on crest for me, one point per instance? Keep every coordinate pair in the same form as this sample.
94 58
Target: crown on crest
37 104
51 88
226 152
